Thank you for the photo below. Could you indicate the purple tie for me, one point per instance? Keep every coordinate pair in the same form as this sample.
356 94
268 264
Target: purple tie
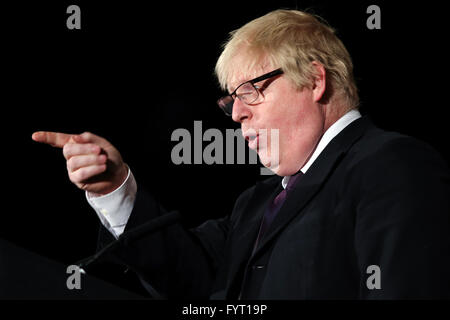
275 206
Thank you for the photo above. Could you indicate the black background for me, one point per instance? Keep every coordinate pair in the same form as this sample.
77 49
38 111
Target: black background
138 70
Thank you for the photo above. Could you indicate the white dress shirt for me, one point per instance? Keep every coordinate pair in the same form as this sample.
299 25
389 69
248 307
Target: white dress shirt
114 208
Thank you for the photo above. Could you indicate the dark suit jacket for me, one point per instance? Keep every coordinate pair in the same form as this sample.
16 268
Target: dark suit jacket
371 198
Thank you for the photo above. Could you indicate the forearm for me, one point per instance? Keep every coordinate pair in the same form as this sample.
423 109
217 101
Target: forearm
172 260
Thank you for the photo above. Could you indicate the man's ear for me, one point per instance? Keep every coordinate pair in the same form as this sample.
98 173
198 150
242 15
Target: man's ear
319 83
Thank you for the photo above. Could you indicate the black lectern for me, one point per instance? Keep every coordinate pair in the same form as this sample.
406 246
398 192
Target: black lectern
27 275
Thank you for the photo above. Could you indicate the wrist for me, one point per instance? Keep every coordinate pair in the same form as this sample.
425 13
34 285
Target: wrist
117 182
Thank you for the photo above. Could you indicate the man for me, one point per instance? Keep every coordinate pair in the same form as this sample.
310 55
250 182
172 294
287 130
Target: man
354 212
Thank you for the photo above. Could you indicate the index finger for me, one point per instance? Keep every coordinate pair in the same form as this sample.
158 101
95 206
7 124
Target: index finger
55 139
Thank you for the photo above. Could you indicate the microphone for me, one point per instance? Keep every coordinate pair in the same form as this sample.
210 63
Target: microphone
126 238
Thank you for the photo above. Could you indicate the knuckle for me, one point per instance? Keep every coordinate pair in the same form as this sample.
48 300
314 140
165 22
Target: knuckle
67 150
91 146
78 176
87 135
74 163
73 177
69 164
82 174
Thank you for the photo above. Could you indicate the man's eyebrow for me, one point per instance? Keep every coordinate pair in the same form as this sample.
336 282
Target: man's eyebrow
238 83
231 89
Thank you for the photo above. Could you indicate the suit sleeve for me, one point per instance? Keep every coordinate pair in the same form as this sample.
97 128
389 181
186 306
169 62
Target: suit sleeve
177 262
402 223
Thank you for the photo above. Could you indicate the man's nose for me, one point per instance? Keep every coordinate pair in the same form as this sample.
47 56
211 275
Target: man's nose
241 111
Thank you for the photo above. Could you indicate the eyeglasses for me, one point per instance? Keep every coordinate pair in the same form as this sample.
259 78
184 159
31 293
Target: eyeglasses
247 92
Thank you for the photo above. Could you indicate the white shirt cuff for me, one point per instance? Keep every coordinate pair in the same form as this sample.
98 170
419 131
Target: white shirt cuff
114 209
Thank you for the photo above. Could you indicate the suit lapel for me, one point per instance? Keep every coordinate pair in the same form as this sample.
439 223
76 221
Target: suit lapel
311 182
247 226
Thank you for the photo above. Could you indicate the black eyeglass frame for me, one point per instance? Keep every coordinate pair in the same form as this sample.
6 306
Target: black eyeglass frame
227 108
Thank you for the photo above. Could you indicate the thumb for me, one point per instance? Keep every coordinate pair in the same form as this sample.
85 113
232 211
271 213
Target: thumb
78 139
88 137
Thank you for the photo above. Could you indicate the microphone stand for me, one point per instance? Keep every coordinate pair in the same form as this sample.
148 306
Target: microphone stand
130 236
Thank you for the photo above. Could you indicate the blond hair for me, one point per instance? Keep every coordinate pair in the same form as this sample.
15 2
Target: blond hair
291 40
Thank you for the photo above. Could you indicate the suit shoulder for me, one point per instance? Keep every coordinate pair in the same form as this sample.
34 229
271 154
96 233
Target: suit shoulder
380 147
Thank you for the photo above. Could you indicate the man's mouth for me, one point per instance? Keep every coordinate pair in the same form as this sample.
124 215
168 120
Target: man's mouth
252 141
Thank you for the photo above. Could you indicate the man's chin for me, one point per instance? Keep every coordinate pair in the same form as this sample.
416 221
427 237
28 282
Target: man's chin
274 168
279 170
